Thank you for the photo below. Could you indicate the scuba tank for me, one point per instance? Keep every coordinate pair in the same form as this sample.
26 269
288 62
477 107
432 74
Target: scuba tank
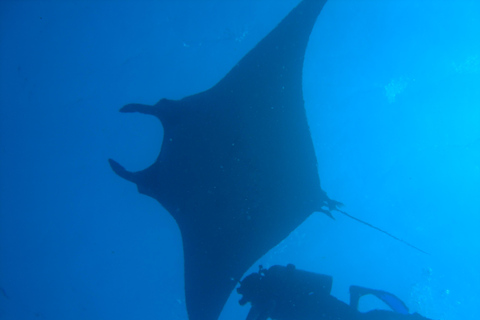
278 279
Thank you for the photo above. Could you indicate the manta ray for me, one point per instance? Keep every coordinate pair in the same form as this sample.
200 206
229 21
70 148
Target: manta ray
237 168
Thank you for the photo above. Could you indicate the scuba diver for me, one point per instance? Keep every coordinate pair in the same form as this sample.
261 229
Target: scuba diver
286 293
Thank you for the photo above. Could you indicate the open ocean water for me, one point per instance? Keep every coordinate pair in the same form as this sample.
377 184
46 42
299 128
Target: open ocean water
392 93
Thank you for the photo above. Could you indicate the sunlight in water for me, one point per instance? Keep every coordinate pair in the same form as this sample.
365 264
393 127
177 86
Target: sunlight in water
394 88
470 65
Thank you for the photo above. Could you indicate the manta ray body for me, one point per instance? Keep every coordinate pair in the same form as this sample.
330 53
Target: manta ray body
237 169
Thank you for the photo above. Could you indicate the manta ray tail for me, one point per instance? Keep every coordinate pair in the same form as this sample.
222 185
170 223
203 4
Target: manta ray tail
383 231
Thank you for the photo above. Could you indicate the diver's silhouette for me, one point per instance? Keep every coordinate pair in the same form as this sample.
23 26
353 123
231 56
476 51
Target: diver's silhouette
286 293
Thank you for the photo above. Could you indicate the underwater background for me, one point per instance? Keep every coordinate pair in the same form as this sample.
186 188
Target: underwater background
392 93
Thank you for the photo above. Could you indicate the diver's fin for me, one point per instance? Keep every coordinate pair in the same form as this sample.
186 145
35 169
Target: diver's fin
391 300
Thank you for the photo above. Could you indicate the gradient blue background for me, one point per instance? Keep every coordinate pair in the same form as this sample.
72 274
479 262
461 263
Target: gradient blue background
392 91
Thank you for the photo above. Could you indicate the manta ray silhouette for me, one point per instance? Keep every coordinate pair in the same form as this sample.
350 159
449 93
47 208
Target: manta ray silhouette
237 168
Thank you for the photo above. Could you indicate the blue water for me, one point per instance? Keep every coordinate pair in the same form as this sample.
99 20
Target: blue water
393 101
